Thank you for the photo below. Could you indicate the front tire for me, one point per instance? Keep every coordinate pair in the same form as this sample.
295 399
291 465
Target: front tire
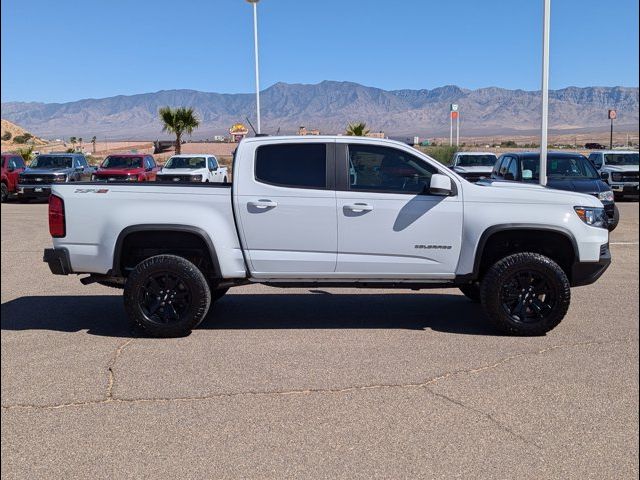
166 296
525 294
471 291
613 223
5 193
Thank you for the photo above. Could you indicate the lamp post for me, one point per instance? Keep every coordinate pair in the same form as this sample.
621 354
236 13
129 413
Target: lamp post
546 24
255 46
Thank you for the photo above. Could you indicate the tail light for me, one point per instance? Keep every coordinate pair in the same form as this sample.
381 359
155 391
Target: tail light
57 227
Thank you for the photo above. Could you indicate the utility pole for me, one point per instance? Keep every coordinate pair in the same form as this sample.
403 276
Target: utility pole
546 26
255 47
612 115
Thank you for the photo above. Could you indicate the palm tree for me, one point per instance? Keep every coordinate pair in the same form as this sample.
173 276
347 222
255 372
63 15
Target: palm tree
178 121
73 141
357 129
93 143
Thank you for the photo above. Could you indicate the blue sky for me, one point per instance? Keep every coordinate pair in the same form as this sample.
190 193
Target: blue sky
68 50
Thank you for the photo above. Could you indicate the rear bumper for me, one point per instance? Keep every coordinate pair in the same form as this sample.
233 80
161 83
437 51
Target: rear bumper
586 273
58 260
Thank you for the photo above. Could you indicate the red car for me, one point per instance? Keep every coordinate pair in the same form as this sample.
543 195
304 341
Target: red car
12 167
130 167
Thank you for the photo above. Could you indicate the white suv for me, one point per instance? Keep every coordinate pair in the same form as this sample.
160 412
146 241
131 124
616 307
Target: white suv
199 168
474 166
619 169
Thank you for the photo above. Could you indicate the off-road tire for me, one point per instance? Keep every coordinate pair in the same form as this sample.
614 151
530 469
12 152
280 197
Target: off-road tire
5 193
497 286
189 278
471 291
613 223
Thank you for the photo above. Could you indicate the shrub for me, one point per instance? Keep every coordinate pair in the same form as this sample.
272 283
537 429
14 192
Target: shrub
443 154
6 136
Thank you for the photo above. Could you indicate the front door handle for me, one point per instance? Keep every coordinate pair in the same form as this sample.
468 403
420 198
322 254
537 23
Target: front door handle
359 207
263 204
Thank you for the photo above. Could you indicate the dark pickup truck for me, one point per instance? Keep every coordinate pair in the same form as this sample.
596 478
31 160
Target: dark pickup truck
52 168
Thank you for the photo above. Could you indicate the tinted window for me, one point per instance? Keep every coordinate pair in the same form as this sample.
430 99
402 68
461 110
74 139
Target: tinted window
50 161
621 158
293 165
387 169
213 163
504 165
561 167
152 162
512 169
18 162
476 160
596 160
122 162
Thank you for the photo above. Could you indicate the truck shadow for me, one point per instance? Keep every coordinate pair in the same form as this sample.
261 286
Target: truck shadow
104 315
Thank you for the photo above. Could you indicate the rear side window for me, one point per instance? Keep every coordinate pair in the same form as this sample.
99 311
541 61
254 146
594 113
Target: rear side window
293 165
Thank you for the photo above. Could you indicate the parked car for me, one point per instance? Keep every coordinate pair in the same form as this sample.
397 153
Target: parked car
193 168
473 166
12 167
565 171
49 169
337 212
129 167
619 169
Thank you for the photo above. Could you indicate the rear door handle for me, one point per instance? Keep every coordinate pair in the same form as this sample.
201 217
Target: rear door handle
359 207
263 204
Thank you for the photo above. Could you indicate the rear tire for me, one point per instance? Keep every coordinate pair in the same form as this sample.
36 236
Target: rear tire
525 294
471 291
166 296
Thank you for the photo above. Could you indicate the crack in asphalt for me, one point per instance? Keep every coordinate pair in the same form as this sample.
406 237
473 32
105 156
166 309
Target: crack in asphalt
111 399
112 364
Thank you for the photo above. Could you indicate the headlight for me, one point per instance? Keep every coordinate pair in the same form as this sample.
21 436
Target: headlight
592 216
606 196
93 178
60 178
196 178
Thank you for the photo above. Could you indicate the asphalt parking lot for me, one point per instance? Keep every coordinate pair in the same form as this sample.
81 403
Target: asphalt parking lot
313 383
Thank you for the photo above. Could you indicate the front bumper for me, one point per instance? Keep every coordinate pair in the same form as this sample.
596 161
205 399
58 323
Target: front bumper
34 191
626 188
58 260
586 273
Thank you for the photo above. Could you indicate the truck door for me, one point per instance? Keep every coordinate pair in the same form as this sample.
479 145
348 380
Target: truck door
389 225
286 204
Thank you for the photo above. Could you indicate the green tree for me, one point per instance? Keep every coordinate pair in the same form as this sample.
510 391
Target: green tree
73 141
26 153
357 129
178 121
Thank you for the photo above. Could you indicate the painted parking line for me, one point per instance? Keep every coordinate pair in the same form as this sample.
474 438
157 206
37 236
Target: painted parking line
623 243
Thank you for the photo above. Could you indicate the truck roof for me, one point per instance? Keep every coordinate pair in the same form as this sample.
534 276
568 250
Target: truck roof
615 151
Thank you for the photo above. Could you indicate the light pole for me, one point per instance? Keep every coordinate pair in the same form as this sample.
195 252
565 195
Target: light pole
255 46
546 25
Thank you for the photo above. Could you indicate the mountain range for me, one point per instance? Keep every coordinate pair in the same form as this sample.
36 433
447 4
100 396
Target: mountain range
329 106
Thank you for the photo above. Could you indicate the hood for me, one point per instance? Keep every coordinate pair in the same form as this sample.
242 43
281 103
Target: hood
586 185
46 171
473 169
119 171
532 193
183 171
620 168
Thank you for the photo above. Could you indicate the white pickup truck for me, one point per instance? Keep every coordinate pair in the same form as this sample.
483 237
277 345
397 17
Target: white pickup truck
331 212
193 168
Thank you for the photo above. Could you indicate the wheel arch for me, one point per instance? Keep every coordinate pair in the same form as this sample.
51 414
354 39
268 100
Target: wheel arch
530 232
186 230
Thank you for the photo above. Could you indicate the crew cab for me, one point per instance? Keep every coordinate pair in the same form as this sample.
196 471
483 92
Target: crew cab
52 169
128 167
193 168
12 167
473 166
619 169
331 212
565 171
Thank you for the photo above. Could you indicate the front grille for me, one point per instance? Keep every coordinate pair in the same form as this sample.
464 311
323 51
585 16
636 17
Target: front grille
111 178
36 179
624 176
173 178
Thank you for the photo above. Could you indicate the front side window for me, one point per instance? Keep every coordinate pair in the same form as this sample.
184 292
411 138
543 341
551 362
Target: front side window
213 164
385 169
503 166
152 162
512 170
292 165
596 160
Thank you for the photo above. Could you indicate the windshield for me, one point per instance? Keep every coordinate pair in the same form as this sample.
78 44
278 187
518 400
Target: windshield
122 162
621 159
186 162
488 160
50 161
577 167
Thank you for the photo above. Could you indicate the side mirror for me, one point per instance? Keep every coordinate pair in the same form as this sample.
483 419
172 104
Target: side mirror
604 176
440 185
213 169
